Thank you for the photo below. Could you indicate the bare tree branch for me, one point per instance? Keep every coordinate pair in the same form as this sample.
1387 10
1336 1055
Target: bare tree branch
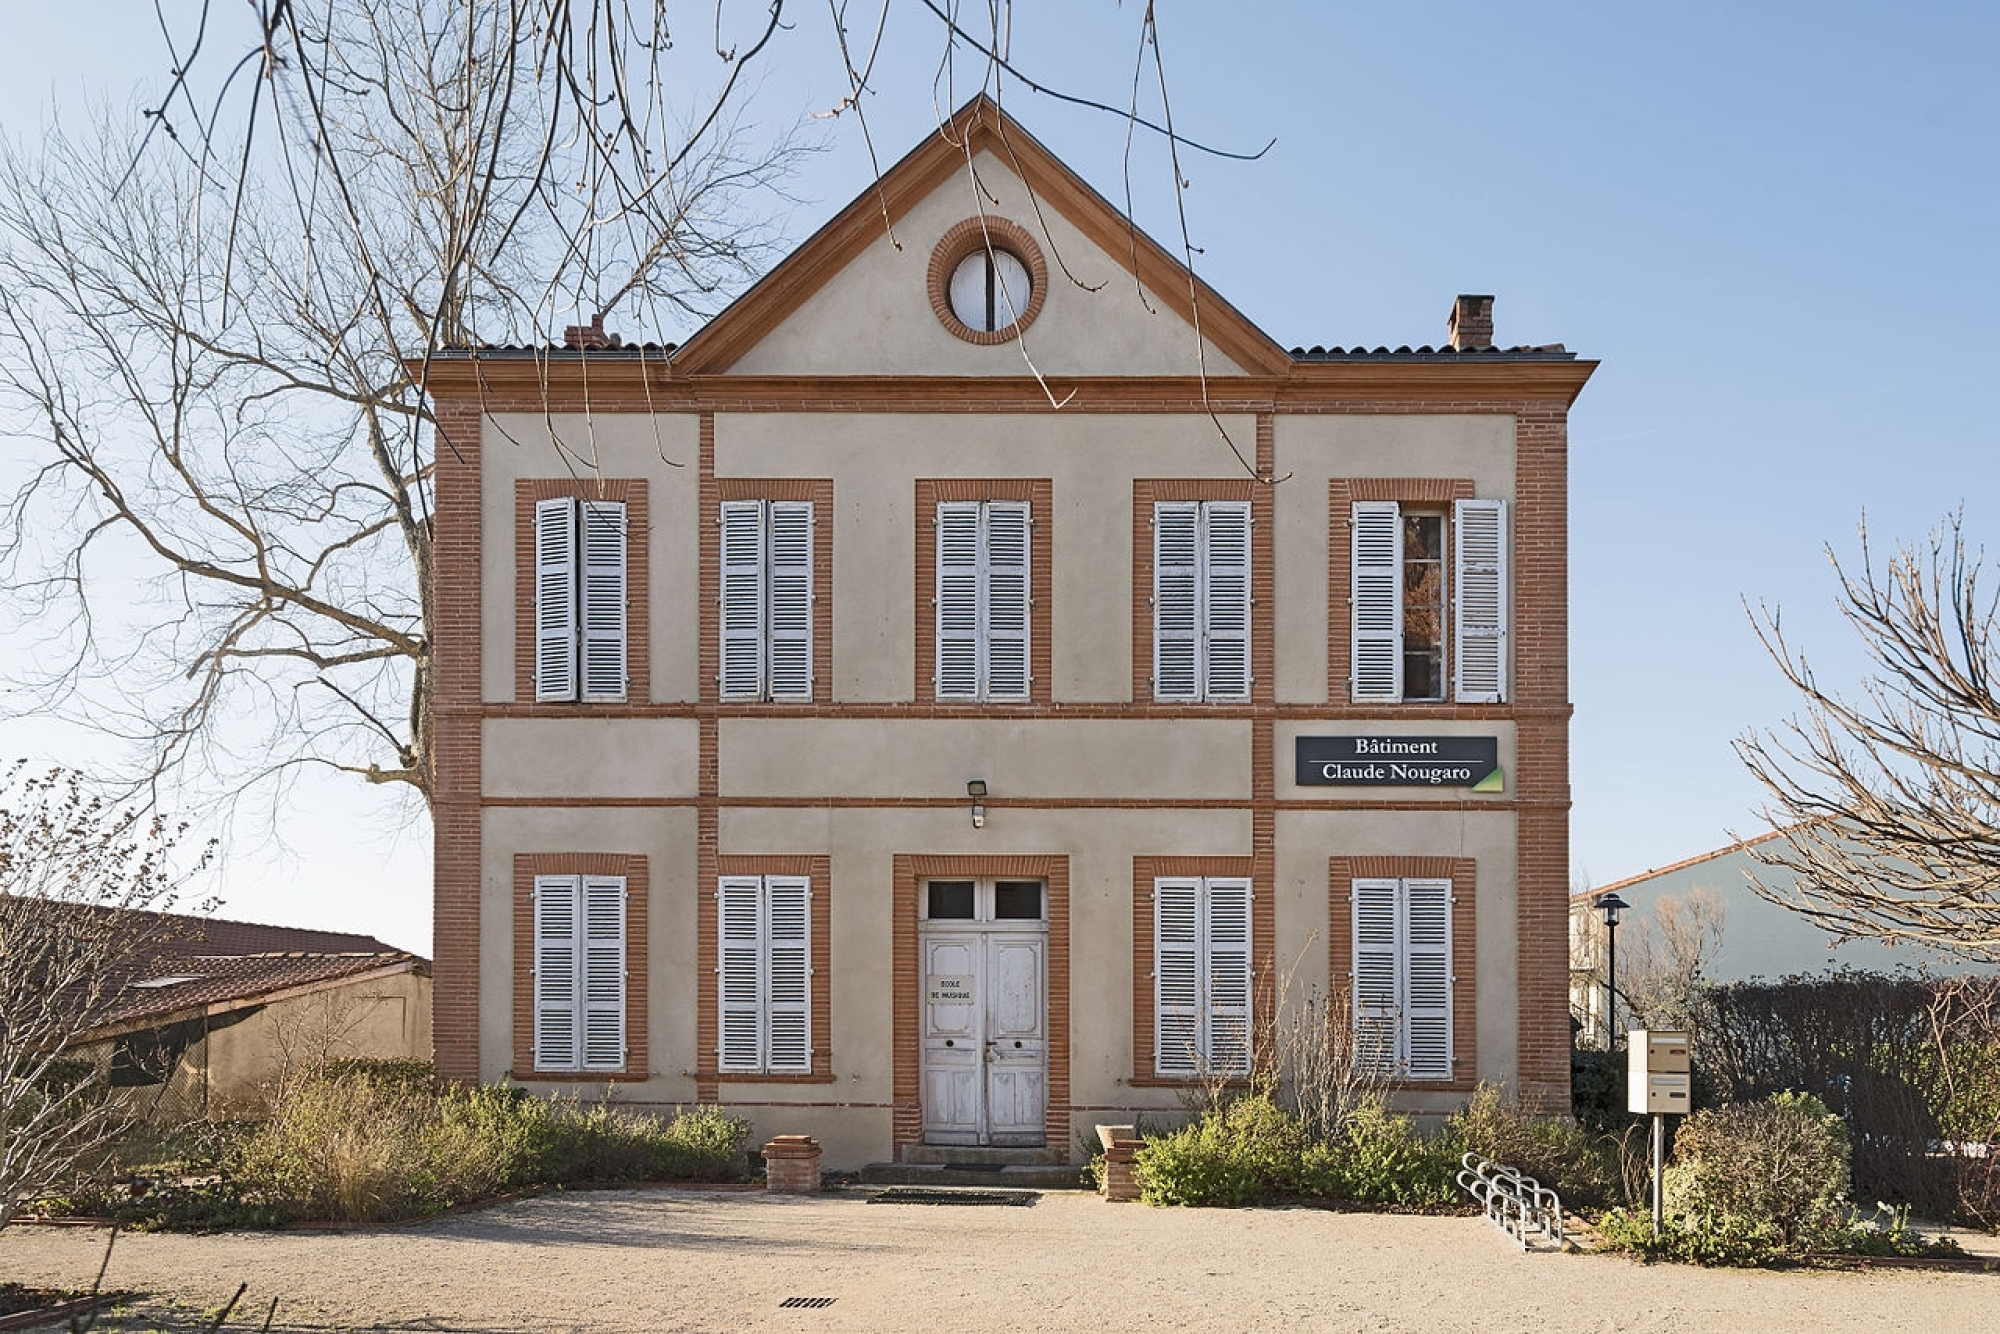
1890 798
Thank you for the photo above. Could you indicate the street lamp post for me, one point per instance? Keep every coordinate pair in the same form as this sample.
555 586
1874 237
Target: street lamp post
1611 905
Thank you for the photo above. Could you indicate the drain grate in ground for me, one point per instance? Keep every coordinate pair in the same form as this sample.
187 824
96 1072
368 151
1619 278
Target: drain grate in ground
813 1302
938 1195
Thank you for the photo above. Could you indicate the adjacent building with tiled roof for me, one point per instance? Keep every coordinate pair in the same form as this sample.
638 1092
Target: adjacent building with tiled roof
208 1013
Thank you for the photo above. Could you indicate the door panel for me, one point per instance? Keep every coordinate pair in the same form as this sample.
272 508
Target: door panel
951 1042
1016 1038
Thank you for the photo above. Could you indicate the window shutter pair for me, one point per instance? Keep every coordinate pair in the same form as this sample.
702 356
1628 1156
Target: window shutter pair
767 598
579 972
1201 976
580 599
982 600
1201 600
764 974
1402 977
1478 647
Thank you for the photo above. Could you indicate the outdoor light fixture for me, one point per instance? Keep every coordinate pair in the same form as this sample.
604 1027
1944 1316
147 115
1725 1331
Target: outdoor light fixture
976 789
1611 905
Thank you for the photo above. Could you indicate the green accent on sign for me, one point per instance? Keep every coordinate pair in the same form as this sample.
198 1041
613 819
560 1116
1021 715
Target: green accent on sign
1493 782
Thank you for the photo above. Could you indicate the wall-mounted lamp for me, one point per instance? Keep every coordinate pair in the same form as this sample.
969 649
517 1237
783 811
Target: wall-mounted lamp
976 789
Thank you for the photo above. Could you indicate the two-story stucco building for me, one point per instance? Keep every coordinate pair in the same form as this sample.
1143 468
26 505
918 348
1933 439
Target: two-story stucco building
840 721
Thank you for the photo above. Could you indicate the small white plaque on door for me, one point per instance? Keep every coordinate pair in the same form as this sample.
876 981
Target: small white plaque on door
948 990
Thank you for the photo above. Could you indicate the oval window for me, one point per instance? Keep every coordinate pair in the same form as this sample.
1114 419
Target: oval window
990 290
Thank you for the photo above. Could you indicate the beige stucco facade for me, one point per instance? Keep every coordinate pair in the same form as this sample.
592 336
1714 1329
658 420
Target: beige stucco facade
837 379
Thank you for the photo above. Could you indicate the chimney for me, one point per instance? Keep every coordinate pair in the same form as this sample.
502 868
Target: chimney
1470 327
590 335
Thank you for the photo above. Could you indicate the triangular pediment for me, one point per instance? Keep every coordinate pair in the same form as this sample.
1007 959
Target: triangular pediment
869 293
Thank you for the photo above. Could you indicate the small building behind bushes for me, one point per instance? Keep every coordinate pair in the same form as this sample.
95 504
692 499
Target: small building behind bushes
213 1015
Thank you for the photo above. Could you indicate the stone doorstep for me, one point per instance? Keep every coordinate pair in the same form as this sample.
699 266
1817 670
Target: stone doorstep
940 1155
1015 1176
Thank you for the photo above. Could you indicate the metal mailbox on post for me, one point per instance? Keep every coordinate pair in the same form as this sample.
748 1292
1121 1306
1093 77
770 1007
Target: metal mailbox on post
1659 1083
1659 1075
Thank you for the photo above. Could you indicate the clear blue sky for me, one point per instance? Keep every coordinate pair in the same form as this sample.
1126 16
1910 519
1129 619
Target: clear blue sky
1773 224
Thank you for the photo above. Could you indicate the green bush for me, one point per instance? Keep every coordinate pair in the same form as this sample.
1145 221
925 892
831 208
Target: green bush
1752 1183
1577 1164
1381 1158
1244 1152
1781 1162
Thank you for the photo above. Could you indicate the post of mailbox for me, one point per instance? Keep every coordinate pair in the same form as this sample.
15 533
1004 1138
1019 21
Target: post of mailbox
1659 1083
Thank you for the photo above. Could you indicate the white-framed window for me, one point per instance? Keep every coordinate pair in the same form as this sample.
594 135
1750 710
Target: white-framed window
1420 619
767 600
1201 976
1201 600
982 599
1402 976
579 972
764 974
579 599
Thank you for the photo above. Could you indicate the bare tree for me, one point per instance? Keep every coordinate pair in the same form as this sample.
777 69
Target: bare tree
215 322
207 320
1890 797
78 878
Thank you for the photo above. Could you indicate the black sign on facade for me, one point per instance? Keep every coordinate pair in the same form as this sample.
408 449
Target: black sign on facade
1400 761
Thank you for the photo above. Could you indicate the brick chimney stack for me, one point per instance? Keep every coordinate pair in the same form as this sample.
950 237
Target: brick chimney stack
590 335
1471 324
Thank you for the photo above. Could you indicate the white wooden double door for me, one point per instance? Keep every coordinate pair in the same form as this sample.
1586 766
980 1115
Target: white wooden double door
985 1043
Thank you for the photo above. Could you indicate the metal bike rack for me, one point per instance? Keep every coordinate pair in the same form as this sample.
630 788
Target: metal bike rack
1515 1203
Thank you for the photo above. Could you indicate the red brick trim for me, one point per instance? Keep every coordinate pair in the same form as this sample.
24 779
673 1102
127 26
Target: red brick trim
457 598
708 1026
969 237
1146 492
910 871
818 490
638 968
638 580
1263 957
1463 874
1341 493
1038 492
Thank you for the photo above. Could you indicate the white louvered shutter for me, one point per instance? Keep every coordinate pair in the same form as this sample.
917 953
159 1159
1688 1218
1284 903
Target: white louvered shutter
1177 976
556 967
788 974
1479 544
1227 941
789 607
555 599
604 972
1006 600
1376 574
1226 600
1427 979
603 599
1376 974
957 600
739 925
1176 600
742 675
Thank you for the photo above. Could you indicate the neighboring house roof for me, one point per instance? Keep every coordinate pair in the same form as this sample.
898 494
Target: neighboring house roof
182 963
1596 892
226 981
1761 938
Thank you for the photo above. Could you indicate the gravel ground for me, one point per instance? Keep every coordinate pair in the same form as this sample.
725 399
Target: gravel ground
657 1260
